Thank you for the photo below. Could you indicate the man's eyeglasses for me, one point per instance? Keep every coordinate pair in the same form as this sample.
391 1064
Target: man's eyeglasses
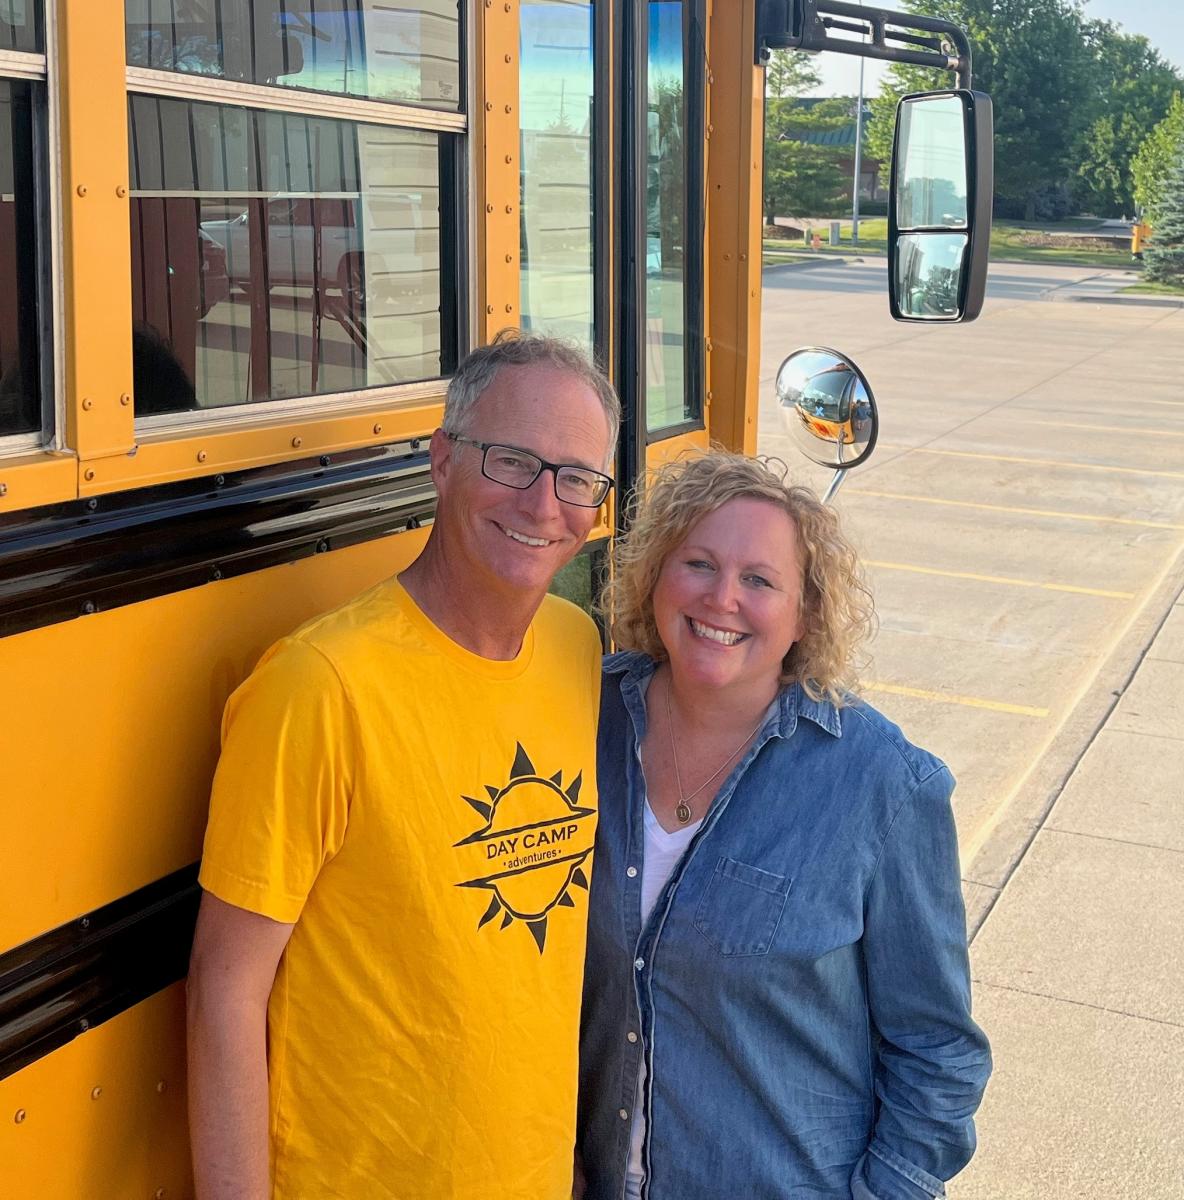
519 469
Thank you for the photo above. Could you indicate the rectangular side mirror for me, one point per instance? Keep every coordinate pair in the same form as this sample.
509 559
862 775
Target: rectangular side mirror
939 211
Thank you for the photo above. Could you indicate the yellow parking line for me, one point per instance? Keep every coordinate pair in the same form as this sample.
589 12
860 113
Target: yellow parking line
895 689
1007 508
1025 583
1037 462
1069 428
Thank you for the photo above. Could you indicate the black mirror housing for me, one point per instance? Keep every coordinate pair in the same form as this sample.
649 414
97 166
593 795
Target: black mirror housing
939 210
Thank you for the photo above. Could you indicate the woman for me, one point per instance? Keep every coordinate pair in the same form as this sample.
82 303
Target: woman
777 997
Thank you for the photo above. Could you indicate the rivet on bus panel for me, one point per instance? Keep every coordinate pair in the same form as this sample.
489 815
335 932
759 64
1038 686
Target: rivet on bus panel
88 404
509 58
125 399
88 474
202 456
121 191
509 258
160 1087
509 159
377 428
95 1093
3 489
489 106
297 442
509 108
509 208
509 308
489 208
20 1116
489 308
82 189
158 1194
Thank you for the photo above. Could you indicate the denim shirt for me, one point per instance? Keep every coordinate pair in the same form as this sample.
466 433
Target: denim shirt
801 989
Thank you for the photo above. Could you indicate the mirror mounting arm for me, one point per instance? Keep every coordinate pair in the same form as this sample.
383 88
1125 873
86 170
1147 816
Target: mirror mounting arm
804 25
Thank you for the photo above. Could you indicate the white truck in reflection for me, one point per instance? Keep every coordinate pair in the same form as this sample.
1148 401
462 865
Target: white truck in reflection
319 242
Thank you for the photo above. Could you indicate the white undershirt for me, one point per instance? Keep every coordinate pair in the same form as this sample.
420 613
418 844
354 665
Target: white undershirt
660 856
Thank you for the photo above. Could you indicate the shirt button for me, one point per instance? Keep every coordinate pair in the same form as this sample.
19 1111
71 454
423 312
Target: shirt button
631 1036
623 1114
638 963
632 872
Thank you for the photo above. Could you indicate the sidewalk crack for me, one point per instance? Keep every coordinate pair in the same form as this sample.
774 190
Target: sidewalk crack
1118 1012
1101 837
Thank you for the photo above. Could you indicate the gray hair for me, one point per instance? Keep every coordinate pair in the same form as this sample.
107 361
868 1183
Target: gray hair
514 348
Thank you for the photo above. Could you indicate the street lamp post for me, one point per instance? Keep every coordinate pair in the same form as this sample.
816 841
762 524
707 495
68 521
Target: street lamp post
858 154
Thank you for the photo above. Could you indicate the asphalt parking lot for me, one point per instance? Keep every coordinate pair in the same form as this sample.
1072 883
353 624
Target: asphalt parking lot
1022 519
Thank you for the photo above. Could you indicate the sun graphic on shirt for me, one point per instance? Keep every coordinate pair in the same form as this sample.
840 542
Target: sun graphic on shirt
530 851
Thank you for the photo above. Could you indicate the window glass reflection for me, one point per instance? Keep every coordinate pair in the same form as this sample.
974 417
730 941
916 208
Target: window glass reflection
21 26
277 255
556 83
667 402
20 385
932 189
380 49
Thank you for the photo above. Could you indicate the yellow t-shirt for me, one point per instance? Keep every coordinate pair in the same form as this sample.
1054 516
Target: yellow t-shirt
426 818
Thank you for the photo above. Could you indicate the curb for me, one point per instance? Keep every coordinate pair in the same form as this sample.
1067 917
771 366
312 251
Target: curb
1142 301
806 264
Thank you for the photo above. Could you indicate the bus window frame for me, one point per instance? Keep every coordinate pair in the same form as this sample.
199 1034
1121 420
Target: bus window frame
94 444
25 468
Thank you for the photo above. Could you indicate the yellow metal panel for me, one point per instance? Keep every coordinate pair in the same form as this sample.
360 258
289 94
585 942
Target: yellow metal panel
104 1116
735 148
37 479
162 456
496 130
116 717
669 449
95 217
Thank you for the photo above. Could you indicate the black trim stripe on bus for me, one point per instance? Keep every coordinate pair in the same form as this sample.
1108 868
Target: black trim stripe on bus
79 975
71 560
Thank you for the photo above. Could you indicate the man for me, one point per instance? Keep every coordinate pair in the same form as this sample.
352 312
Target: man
386 973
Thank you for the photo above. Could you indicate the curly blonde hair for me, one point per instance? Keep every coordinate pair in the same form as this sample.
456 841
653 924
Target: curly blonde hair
838 611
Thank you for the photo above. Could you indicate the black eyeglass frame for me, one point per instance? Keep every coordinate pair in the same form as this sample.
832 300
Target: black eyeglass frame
544 465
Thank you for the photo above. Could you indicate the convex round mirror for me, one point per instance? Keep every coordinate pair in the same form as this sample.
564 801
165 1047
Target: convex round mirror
828 408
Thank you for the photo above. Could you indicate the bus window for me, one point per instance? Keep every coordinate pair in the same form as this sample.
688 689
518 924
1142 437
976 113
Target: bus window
556 101
21 410
669 401
375 49
22 26
278 255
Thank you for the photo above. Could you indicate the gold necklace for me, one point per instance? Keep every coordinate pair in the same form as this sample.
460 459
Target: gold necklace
683 811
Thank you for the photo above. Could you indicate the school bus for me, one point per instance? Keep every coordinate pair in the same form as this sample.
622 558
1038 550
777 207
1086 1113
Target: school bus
243 243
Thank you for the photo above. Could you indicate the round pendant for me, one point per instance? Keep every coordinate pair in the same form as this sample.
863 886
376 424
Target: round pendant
683 812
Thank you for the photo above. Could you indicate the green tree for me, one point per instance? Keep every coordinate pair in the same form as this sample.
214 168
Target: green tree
790 73
1152 163
1033 58
803 175
1131 92
1164 258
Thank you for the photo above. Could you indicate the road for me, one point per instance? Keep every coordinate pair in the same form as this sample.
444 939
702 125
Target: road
1022 518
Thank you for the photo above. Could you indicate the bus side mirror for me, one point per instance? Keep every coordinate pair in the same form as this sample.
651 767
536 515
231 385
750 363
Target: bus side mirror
939 212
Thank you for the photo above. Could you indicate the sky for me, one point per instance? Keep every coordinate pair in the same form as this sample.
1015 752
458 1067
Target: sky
1160 21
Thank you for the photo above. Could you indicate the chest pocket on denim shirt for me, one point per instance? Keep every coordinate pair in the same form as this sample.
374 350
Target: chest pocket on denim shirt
741 908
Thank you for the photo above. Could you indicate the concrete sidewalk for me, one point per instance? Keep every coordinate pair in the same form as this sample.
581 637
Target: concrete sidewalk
1079 967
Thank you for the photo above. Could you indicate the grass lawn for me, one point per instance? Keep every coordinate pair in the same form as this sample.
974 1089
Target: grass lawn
1007 244
1157 289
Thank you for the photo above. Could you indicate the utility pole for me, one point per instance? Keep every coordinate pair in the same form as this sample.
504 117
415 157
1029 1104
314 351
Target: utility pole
858 154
